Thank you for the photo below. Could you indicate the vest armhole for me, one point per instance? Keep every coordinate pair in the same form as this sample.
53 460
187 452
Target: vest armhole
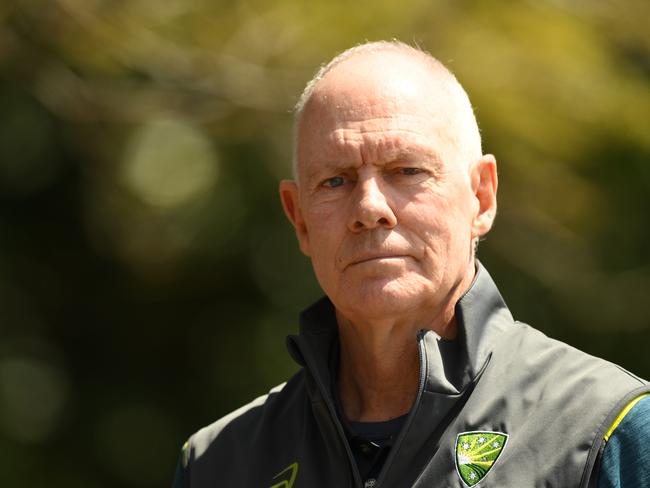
607 427
619 418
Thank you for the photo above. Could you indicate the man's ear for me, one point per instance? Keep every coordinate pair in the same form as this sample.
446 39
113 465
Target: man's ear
289 196
484 181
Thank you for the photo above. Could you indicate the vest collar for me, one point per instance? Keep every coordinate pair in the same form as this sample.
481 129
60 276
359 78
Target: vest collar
449 366
480 315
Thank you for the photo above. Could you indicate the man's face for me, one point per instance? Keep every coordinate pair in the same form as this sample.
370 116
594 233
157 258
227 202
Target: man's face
384 208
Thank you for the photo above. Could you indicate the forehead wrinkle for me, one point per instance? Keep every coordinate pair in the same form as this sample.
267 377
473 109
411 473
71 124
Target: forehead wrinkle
381 146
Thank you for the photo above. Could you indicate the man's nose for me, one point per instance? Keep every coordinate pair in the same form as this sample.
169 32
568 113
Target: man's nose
370 207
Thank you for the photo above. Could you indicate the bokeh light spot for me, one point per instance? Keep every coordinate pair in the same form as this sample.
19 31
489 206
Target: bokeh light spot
33 395
168 163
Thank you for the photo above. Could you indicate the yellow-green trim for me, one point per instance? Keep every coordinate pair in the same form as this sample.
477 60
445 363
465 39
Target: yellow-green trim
622 415
185 454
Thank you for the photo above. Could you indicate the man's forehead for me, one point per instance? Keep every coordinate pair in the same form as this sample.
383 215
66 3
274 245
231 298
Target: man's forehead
367 102
367 112
377 91
381 139
372 128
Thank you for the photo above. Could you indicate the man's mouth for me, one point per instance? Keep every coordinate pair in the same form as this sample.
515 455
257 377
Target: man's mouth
377 257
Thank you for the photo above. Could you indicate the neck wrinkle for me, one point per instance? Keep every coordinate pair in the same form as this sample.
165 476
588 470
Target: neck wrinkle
377 383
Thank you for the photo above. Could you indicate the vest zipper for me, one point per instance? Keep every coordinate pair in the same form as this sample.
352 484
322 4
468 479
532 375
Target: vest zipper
409 419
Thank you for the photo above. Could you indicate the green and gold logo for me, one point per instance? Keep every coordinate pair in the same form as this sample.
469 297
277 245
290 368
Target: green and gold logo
476 453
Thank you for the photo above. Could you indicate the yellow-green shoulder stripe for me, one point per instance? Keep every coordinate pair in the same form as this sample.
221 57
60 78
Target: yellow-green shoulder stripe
185 454
622 415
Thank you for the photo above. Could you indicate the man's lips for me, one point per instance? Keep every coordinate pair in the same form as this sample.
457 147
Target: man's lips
376 257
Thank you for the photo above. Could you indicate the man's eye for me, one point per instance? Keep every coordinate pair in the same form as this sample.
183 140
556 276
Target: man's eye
410 171
334 182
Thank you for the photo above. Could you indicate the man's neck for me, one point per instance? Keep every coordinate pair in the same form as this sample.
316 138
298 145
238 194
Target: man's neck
379 361
378 378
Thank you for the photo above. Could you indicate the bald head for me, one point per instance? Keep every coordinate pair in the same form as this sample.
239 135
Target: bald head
391 74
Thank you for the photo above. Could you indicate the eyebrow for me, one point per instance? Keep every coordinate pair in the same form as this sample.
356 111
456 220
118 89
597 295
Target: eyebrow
416 155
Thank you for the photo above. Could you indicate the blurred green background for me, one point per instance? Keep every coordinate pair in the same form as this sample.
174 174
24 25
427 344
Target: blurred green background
147 275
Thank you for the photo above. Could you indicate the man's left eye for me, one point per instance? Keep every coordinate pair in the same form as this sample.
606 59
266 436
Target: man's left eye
334 181
410 171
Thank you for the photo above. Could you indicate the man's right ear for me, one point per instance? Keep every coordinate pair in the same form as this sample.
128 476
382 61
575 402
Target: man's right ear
289 195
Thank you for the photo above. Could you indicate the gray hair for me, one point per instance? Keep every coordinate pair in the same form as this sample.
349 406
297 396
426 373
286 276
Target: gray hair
469 143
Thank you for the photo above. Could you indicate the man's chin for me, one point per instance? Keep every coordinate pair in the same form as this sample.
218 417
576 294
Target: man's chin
378 297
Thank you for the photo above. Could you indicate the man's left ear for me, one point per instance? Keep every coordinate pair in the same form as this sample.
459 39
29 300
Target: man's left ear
484 181
289 195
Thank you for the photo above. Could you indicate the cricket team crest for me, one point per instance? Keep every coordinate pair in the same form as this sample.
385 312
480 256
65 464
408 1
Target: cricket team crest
476 453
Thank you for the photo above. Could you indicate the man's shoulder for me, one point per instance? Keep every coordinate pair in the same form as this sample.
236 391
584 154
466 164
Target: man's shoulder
242 419
247 424
240 446
556 359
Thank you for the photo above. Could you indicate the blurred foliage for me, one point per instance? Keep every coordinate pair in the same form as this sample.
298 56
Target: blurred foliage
147 276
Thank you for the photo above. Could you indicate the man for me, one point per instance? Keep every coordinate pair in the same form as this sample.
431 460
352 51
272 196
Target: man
414 373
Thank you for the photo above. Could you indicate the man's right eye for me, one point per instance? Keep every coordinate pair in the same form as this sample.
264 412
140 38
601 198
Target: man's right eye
334 181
